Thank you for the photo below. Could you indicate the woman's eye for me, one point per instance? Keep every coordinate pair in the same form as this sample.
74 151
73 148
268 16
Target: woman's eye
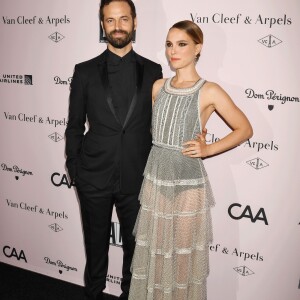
168 45
182 44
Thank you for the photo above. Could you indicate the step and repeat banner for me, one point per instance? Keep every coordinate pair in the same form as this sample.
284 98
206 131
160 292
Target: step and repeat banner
251 48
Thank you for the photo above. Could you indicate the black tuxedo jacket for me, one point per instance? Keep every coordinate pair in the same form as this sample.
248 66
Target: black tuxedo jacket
109 146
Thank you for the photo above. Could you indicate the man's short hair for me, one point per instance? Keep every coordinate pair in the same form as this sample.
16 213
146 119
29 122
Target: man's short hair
107 2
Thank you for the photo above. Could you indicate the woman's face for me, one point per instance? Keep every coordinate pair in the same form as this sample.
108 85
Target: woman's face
181 50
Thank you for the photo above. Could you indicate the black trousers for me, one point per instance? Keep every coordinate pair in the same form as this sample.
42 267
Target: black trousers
96 212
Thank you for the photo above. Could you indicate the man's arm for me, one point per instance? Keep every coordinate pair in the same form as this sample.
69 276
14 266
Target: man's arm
76 123
159 73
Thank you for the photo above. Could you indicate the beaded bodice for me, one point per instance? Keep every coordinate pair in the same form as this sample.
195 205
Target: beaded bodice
176 115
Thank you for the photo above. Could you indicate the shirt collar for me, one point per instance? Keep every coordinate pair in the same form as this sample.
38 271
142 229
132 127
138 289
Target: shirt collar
114 59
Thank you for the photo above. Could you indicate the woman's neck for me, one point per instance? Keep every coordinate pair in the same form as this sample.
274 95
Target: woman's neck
185 77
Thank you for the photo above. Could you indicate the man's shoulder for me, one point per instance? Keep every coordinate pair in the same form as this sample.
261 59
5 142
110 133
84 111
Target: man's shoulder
91 62
147 61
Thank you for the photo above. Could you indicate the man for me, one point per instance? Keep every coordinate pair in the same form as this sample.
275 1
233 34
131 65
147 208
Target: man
113 93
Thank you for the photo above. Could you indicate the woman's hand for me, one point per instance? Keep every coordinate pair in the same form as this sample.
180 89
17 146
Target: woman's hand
197 147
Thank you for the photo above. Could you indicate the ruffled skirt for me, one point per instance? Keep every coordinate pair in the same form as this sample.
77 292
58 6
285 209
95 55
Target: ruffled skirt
173 229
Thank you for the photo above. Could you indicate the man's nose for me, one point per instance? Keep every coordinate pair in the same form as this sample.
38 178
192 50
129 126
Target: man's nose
118 25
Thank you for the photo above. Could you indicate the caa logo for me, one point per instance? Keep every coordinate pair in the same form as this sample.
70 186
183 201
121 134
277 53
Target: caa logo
59 180
247 213
9 252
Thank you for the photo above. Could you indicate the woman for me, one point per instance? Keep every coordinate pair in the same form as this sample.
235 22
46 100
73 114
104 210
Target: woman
173 228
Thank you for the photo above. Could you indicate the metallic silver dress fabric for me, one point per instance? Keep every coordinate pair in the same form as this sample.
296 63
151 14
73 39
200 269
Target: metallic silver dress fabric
173 228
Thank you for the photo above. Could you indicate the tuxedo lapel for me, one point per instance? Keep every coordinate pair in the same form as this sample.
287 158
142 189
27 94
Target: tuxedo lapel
103 73
139 81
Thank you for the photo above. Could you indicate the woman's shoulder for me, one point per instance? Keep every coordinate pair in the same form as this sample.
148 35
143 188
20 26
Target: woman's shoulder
157 86
212 88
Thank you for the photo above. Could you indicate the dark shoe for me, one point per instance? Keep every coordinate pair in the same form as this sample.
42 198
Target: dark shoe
123 296
98 297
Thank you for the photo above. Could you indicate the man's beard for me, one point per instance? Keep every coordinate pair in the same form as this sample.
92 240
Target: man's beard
120 42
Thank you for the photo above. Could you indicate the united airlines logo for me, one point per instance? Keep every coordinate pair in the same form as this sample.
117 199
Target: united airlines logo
56 37
55 137
113 279
28 79
257 163
270 41
243 270
16 79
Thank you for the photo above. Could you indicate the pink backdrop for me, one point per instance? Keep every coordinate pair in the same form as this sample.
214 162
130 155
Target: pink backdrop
251 48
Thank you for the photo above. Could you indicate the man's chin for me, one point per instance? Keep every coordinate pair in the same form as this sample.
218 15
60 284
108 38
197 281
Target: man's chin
119 44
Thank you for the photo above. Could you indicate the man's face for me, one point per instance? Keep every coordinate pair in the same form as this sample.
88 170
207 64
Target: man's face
118 24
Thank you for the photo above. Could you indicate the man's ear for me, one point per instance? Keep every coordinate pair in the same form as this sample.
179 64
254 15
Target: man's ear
135 23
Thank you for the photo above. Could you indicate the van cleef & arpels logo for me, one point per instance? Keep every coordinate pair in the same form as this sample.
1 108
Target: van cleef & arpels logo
245 255
238 18
243 270
34 118
270 41
55 227
36 20
55 137
56 37
257 163
34 208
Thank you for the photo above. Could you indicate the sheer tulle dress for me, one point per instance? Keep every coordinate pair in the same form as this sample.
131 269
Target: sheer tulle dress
173 228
